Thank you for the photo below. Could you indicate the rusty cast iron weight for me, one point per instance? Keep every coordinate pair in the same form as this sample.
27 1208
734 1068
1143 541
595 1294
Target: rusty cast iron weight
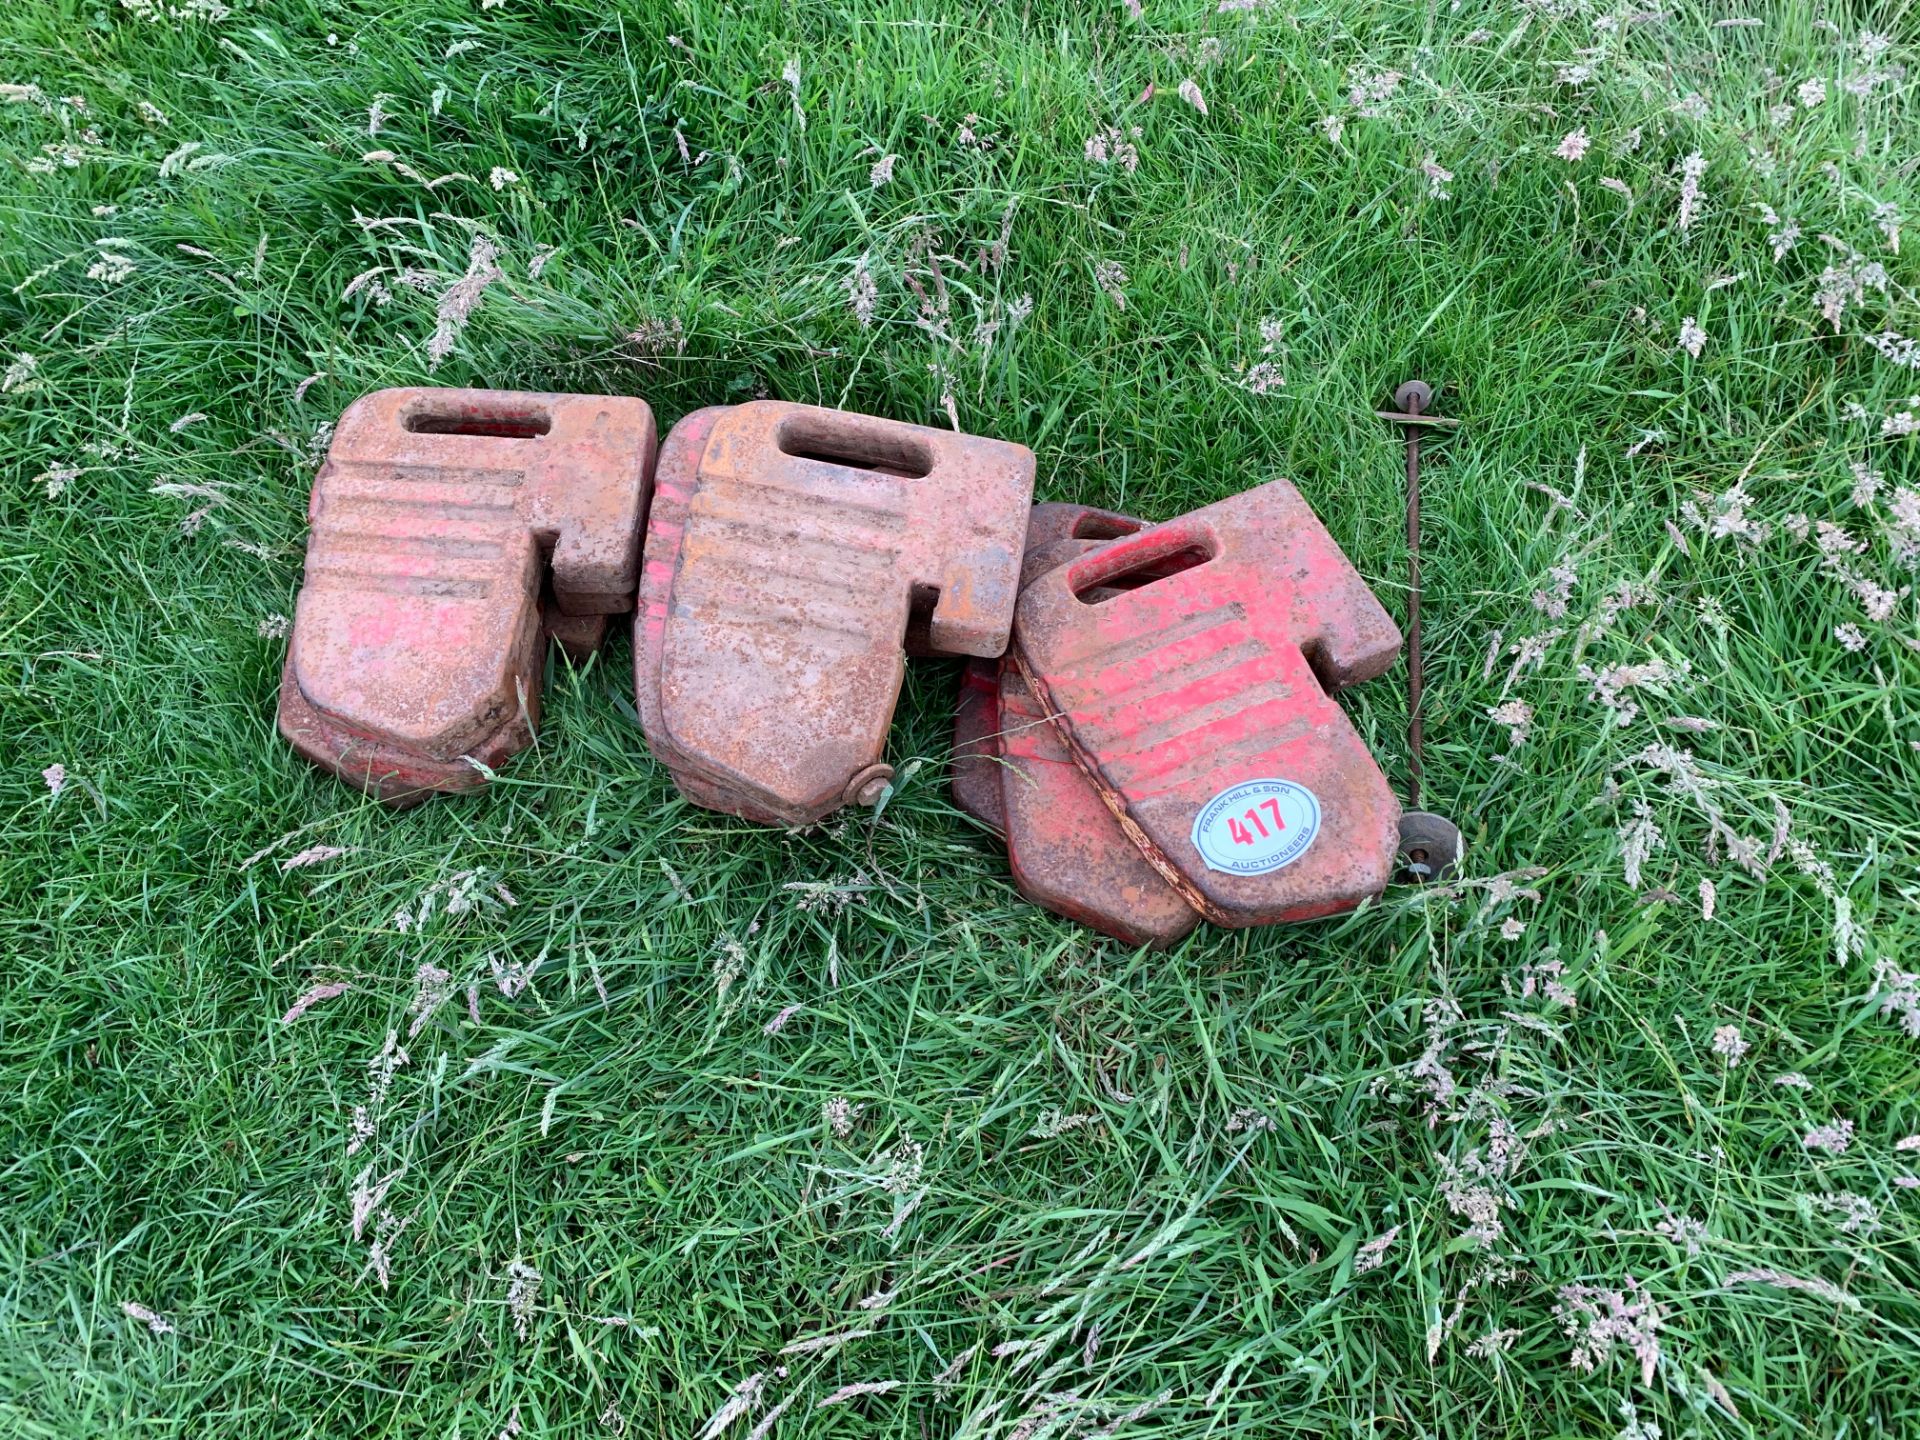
1430 844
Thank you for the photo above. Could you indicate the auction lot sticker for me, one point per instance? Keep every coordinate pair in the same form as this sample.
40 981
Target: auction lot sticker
1256 826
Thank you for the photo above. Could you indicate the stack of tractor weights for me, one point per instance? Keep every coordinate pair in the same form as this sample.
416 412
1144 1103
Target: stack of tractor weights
1145 714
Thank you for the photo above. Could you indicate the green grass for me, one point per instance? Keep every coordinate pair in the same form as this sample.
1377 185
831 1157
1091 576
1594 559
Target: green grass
1246 1113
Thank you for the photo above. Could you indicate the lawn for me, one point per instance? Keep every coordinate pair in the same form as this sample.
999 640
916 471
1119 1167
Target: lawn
569 1109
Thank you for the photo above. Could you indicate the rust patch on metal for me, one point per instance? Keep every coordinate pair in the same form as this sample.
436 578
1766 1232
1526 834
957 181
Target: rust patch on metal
976 721
675 478
789 548
436 520
976 745
1065 849
1067 853
578 636
1215 672
1056 520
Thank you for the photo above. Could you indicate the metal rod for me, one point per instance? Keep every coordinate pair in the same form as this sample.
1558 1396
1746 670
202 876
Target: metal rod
1413 399
1431 845
1416 667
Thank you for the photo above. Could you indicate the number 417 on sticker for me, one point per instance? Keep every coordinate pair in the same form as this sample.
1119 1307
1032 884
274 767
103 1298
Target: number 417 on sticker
1241 835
